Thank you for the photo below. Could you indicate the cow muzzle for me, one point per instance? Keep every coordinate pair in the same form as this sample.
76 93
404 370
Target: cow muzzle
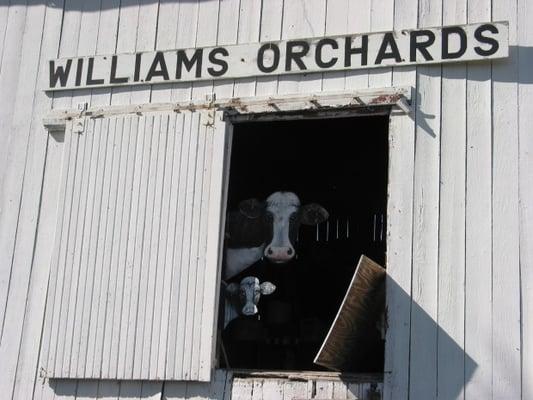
249 309
279 255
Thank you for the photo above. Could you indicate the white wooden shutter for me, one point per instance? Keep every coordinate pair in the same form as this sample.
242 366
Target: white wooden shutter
134 280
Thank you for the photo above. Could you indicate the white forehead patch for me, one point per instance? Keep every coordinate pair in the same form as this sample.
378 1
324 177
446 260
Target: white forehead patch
281 202
250 281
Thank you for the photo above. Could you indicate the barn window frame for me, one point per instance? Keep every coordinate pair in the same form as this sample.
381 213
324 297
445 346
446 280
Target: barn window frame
394 102
224 113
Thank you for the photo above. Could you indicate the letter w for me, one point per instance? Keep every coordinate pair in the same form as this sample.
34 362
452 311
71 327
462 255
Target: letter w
60 73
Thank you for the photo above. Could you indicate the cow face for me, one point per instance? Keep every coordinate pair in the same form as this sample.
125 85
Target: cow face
248 293
282 215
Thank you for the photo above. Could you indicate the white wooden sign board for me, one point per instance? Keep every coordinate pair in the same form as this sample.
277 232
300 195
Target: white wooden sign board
371 50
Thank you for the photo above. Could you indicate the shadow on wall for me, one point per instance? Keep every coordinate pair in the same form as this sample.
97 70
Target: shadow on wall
428 343
91 5
514 69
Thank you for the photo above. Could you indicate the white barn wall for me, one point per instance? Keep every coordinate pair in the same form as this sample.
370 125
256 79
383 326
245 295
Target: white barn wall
471 265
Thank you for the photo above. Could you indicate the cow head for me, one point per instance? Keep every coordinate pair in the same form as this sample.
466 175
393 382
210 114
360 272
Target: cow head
282 214
248 292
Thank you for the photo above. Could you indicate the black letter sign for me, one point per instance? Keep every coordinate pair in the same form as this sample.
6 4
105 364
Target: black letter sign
158 67
90 79
189 63
349 50
217 61
60 73
494 45
421 46
318 53
388 40
261 57
446 55
114 78
296 55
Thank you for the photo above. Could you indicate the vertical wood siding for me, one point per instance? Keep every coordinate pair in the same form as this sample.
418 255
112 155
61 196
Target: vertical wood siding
460 228
131 234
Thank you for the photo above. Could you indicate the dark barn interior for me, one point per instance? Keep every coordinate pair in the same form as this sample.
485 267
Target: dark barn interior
340 163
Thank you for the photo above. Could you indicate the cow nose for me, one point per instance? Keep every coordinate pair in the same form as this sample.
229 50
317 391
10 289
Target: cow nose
279 254
249 309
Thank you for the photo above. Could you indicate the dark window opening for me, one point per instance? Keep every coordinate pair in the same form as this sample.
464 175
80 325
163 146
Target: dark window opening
341 164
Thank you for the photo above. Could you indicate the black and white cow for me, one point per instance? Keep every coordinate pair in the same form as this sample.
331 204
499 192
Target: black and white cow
267 228
242 298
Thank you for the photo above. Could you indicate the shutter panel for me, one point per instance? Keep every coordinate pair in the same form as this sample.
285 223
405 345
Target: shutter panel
134 280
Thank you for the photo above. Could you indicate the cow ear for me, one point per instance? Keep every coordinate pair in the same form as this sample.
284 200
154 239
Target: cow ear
267 288
232 289
251 208
313 214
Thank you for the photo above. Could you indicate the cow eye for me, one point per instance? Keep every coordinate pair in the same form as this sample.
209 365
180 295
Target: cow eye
269 216
292 218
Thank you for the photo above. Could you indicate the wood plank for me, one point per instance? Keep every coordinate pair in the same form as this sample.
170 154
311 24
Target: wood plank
4 16
359 14
206 35
324 390
20 182
242 390
135 238
130 390
162 293
115 228
166 364
202 276
186 37
10 64
92 239
106 242
88 38
221 154
381 19
478 285
166 36
188 266
249 30
141 348
337 23
525 157
228 31
271 28
506 345
174 390
106 43
400 225
176 338
121 309
343 347
146 40
145 319
450 314
80 248
302 19
70 34
126 42
423 358
272 390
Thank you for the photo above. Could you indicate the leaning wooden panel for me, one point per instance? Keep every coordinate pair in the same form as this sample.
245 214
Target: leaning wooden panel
358 312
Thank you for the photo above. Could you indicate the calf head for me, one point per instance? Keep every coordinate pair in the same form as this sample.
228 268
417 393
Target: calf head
247 293
281 215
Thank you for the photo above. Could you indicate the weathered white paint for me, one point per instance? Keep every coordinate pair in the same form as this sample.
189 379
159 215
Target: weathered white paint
86 261
490 153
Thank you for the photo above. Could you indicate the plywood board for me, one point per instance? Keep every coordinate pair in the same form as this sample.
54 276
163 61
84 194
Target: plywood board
358 311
